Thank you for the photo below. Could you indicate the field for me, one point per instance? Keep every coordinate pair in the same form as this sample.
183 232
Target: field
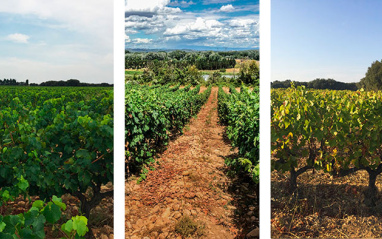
326 157
198 173
56 160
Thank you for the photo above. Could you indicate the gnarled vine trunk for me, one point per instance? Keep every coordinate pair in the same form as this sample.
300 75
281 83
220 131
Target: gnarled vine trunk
371 193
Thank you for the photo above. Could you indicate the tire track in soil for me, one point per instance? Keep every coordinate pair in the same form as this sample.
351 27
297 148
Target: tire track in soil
189 181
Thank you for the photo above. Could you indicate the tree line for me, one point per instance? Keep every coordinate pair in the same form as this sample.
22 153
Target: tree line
163 72
203 60
71 82
371 81
13 82
321 84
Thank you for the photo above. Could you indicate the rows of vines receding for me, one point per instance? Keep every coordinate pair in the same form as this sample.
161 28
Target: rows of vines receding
153 113
240 112
339 132
54 141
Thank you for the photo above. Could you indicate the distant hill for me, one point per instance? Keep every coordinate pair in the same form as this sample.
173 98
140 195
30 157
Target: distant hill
201 48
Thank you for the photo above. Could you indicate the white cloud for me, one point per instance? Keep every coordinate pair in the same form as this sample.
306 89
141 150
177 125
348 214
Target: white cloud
130 31
149 7
142 40
152 24
227 8
178 29
17 37
173 38
201 28
243 22
200 24
207 2
145 6
94 18
56 22
170 10
127 38
183 4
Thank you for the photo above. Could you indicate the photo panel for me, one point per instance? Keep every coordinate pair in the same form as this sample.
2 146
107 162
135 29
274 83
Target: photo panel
325 119
192 119
56 119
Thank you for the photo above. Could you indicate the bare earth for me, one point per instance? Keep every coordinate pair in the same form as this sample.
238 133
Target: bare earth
190 180
327 207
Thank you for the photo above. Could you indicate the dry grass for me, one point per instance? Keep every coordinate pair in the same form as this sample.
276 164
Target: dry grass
326 207
187 227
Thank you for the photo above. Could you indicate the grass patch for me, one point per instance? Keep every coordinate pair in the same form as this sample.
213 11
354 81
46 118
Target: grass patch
194 177
137 72
187 227
207 72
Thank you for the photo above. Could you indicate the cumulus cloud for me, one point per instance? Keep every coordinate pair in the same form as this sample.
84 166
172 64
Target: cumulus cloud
151 25
130 31
149 8
243 22
227 8
207 2
17 37
142 40
208 27
241 31
145 6
199 25
127 38
183 4
173 38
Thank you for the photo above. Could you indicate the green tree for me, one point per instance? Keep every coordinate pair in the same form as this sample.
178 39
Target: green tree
249 73
373 77
194 77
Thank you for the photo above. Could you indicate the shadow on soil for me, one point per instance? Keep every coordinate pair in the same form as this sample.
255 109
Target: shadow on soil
331 200
245 199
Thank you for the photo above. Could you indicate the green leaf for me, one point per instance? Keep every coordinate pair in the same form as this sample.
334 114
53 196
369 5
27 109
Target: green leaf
80 225
2 226
58 202
38 204
52 212
67 227
23 184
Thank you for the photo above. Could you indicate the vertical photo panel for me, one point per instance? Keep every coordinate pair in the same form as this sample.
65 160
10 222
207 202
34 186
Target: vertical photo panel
56 119
192 119
326 114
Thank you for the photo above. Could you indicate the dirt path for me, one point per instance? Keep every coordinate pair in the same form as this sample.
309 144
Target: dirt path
190 182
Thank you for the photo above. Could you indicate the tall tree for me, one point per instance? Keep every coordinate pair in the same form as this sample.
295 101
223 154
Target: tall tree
249 73
373 77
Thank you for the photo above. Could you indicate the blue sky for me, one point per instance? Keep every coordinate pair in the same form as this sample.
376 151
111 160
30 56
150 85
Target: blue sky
56 40
192 24
324 39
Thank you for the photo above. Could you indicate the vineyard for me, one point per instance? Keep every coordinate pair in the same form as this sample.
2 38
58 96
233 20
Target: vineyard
178 148
152 114
240 111
53 142
326 147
